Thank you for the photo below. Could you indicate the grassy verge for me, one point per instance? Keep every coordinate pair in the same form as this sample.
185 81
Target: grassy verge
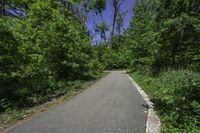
14 116
176 95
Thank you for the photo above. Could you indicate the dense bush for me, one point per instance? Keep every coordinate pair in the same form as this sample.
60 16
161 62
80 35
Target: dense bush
164 34
41 54
176 98
113 58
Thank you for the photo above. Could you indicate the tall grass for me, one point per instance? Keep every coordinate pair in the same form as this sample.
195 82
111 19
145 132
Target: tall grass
176 94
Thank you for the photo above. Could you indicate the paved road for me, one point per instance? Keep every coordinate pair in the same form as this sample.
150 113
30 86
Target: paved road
111 105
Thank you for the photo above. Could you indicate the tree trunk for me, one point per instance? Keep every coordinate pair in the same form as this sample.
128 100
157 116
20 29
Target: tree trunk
119 35
115 6
102 19
104 32
104 36
1 8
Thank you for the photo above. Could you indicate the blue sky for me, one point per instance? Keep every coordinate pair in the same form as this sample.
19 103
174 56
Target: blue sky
108 15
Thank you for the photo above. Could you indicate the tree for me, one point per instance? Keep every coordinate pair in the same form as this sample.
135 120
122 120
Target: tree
39 55
116 4
98 6
178 22
141 36
120 23
83 7
1 8
102 28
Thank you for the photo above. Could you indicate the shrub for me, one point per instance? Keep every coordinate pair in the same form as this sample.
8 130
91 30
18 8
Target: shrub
176 97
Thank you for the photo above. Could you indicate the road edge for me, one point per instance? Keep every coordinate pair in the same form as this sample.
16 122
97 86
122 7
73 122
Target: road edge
153 123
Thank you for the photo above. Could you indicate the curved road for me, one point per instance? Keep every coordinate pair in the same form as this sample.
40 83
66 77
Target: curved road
111 105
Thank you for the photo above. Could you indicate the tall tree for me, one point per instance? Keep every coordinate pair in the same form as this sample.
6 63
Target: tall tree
102 28
98 6
84 7
120 23
1 8
116 4
178 23
141 36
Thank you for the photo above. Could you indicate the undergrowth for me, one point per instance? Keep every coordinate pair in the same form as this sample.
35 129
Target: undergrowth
176 95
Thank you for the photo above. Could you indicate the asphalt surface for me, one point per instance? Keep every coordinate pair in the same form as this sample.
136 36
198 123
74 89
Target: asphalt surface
111 105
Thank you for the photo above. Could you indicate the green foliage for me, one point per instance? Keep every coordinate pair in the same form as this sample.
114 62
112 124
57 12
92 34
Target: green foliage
142 37
98 5
49 53
111 58
41 54
164 34
179 43
176 98
102 28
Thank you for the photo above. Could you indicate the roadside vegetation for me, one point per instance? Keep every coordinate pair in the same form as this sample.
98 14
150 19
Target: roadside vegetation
175 94
165 60
49 52
44 57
